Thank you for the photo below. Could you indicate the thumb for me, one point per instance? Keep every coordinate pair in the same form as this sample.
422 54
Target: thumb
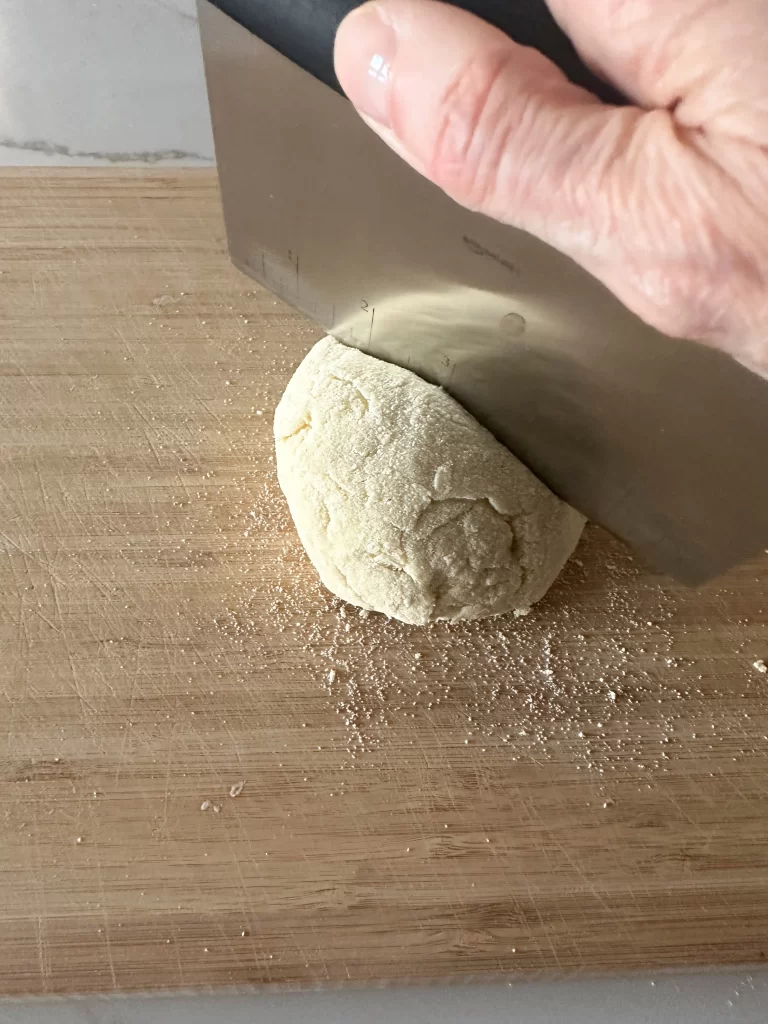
662 213
495 124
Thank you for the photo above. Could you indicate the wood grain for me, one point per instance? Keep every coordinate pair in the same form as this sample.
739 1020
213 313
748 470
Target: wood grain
585 789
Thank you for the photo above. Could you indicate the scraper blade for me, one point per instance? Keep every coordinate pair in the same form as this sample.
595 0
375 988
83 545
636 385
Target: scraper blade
661 441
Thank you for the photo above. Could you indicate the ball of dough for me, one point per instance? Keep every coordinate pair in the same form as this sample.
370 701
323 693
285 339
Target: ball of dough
404 503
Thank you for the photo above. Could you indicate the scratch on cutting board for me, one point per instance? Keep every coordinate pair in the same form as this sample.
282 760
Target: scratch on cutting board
42 950
168 767
31 557
42 914
105 918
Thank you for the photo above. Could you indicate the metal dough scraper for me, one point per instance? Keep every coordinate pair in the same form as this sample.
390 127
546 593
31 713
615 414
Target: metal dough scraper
661 441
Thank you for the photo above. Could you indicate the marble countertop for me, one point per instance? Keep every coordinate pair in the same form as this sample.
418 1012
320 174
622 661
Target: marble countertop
120 82
100 83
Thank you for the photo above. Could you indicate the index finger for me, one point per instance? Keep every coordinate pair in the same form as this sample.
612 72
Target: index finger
703 58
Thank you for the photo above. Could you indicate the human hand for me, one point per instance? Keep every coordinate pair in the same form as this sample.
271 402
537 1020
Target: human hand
665 202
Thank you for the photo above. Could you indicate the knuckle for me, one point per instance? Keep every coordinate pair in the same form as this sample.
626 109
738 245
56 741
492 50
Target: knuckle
701 300
691 246
676 296
473 128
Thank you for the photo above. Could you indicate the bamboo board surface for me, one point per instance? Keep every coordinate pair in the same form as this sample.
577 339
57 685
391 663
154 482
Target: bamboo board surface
585 789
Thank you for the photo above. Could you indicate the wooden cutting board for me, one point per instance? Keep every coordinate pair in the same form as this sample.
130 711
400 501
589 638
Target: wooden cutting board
585 789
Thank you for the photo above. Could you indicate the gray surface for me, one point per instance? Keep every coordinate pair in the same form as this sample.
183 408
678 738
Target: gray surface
121 81
720 999
108 82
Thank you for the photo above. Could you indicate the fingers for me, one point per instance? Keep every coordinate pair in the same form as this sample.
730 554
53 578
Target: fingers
639 45
494 124
671 220
704 59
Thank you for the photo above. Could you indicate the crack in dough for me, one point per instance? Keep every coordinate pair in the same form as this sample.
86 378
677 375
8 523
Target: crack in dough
405 504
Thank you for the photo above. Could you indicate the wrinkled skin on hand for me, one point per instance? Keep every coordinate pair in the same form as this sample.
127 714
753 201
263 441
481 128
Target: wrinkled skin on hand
666 201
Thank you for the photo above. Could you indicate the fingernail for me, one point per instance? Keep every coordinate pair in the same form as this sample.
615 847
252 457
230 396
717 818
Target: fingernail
365 51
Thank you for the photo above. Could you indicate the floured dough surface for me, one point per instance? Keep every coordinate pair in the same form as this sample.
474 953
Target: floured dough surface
404 503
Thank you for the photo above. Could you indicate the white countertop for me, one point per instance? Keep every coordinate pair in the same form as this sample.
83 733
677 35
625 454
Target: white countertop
107 82
121 82
712 999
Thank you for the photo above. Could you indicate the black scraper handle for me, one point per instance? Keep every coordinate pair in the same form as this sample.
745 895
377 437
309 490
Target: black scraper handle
305 30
